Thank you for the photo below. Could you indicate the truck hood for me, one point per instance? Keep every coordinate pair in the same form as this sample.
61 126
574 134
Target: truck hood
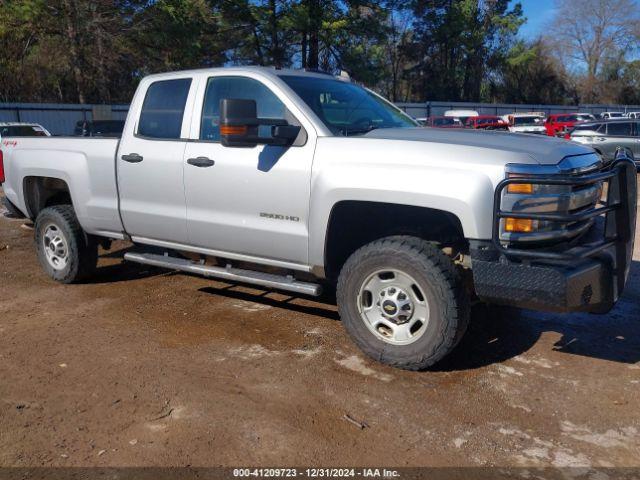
526 148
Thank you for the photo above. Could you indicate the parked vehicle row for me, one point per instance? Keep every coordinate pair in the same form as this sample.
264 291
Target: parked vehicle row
465 119
518 122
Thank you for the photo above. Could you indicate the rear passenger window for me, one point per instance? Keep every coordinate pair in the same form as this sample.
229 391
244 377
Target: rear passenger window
619 129
163 109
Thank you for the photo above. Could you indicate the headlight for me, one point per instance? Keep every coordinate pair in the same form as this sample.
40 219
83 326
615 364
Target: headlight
541 198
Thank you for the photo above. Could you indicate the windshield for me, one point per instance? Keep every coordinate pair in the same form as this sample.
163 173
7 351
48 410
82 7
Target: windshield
345 108
527 121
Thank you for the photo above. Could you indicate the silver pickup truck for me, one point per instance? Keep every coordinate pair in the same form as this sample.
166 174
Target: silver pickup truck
301 181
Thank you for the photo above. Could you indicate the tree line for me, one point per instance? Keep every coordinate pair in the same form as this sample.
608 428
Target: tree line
414 50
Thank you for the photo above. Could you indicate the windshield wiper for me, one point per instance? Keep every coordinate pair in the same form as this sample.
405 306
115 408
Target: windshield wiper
358 131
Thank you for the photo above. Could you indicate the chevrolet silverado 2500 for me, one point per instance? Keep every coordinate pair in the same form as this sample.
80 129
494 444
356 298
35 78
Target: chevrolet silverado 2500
298 181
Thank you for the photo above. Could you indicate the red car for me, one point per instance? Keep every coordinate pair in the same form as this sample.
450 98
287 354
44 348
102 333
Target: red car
558 124
487 122
443 122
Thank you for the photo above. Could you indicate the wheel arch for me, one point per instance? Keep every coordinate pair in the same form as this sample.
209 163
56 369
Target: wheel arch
41 192
353 224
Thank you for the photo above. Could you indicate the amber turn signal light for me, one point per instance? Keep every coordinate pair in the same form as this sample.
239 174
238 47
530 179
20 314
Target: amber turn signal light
233 130
518 225
520 188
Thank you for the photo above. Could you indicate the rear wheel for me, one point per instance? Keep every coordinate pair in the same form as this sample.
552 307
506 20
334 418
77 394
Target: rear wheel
66 253
403 302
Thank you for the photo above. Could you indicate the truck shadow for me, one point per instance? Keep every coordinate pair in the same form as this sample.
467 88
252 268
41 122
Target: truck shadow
497 334
123 271
321 307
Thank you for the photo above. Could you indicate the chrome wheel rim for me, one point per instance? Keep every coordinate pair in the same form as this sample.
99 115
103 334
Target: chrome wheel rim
55 246
393 306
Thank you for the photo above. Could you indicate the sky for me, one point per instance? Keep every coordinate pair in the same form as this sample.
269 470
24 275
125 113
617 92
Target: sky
539 13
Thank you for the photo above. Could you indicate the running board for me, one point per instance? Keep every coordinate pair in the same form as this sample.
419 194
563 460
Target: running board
280 282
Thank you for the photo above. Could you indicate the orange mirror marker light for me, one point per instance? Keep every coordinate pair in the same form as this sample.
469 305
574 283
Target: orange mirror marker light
233 130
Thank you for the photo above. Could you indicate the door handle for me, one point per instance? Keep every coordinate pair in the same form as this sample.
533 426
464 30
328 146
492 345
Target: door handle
201 162
132 158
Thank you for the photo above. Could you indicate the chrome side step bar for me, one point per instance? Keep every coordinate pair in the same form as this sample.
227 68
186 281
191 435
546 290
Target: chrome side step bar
280 282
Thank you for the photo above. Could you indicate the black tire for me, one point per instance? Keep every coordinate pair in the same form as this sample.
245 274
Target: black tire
82 256
437 277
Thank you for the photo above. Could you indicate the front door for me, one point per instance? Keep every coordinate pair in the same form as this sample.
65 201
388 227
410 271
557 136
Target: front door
150 165
247 201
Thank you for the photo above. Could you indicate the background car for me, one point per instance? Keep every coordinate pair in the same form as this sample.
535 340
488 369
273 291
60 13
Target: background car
532 122
443 122
606 136
558 123
99 128
486 122
461 115
609 115
21 129
633 114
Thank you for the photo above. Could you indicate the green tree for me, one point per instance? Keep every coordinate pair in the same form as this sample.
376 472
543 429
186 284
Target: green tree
531 74
458 44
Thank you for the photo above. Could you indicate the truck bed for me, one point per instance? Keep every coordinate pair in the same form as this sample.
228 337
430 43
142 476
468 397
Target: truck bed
86 165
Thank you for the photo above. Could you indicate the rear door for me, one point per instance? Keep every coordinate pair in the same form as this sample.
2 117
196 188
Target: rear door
150 162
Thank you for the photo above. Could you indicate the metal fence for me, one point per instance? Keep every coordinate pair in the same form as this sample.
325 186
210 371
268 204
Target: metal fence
427 109
60 119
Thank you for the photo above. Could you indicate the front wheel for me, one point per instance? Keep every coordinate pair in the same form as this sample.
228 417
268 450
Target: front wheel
402 301
66 253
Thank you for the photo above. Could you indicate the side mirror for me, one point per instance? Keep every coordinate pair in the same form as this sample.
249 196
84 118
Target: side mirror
239 124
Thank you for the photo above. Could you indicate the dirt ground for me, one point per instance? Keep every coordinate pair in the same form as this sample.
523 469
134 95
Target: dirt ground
145 367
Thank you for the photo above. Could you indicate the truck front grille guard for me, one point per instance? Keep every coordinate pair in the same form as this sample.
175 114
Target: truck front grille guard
619 212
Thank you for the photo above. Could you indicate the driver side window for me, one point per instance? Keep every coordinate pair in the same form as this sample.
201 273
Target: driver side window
243 88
